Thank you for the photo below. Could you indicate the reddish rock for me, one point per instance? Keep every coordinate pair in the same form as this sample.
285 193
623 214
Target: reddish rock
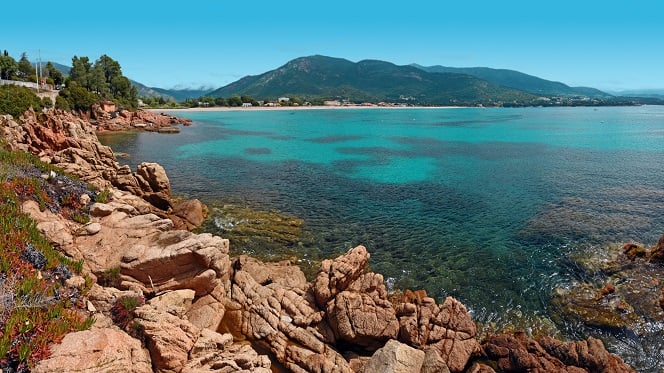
515 353
633 250
657 253
192 212
96 350
336 275
606 290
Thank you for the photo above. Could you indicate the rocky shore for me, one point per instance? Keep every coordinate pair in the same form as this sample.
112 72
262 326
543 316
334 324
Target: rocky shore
169 300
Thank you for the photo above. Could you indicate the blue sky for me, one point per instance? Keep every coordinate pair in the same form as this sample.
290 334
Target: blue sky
607 45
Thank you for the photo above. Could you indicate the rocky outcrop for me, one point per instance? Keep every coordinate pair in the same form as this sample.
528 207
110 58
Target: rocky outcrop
123 120
68 142
520 354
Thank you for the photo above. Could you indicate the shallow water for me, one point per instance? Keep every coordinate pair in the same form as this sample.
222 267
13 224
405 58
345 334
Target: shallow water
480 204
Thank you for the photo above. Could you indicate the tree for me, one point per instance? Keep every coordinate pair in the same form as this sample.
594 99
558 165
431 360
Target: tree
80 71
54 74
97 81
24 67
234 100
110 67
220 101
8 66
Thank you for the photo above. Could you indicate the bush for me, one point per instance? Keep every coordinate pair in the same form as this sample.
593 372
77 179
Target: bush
78 98
16 100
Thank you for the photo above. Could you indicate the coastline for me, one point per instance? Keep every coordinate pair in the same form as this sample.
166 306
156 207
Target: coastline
288 108
316 320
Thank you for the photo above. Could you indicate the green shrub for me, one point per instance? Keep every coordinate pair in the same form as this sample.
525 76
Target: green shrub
16 100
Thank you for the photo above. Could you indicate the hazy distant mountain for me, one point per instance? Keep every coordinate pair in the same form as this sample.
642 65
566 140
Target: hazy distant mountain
320 77
653 93
182 94
519 80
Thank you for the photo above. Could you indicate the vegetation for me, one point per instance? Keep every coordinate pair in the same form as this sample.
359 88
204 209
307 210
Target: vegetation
320 78
15 100
36 306
102 80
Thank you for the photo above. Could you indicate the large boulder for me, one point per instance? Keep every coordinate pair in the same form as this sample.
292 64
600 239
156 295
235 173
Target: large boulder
336 275
152 178
395 357
177 260
362 315
97 350
447 327
169 338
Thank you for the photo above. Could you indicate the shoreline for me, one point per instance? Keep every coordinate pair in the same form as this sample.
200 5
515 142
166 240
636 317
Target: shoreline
287 108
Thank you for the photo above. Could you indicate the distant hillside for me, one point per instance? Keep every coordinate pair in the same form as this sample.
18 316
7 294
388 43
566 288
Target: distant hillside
181 94
320 77
652 93
519 80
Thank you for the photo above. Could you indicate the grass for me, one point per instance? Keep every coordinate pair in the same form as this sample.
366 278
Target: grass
36 307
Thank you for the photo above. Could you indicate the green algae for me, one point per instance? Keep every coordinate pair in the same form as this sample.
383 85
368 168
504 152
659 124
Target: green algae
266 235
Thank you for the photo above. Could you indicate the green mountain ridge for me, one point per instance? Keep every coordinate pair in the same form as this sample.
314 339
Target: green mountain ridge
518 80
321 77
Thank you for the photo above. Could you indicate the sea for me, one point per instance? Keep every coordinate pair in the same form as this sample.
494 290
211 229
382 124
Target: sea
482 204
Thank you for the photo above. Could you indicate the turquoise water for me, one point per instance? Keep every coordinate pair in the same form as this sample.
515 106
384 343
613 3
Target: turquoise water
480 204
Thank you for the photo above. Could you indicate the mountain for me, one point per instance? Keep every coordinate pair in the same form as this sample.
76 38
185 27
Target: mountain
519 80
652 93
182 94
321 77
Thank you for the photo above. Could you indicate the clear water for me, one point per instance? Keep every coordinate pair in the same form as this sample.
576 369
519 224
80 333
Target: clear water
480 204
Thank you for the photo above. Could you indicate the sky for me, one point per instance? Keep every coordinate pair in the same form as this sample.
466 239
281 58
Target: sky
609 45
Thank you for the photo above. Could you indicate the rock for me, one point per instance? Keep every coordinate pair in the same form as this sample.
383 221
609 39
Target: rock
336 275
213 351
152 178
100 210
518 353
395 357
90 229
633 250
481 368
96 350
284 320
168 337
282 273
657 253
208 311
159 200
175 302
433 362
606 290
177 260
362 315
192 211
447 327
